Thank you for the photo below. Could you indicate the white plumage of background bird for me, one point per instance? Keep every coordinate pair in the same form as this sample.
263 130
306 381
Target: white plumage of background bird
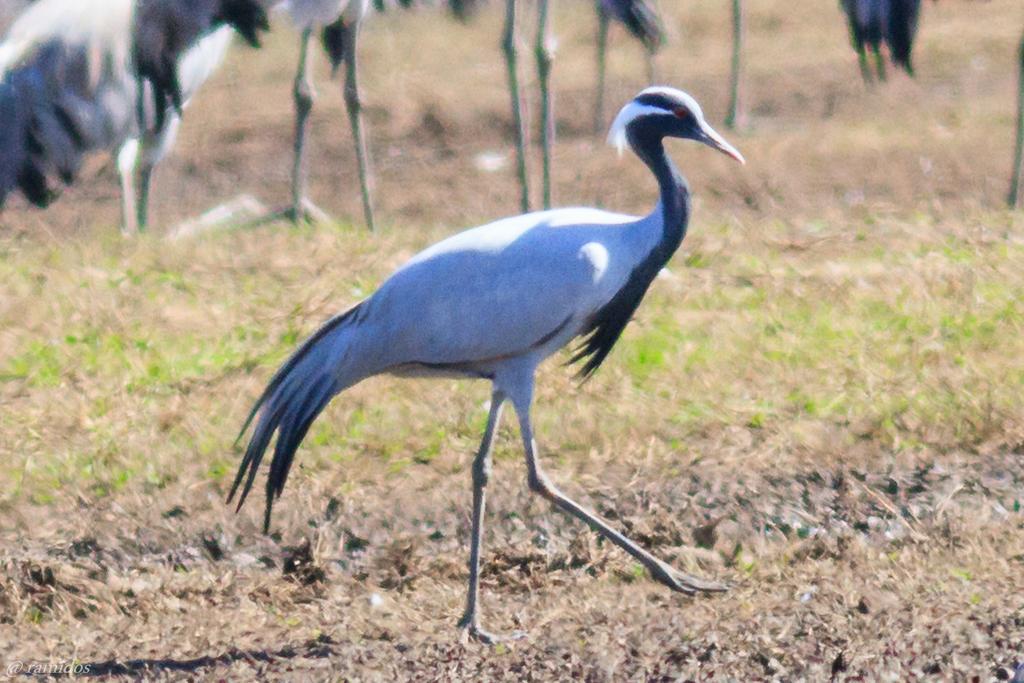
493 303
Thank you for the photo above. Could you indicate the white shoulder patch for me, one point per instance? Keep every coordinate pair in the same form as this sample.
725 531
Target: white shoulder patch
596 254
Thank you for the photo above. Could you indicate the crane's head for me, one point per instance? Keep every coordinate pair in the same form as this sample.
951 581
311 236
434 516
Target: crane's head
663 112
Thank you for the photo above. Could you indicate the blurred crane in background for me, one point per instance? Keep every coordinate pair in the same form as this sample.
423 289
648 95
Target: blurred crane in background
874 23
81 76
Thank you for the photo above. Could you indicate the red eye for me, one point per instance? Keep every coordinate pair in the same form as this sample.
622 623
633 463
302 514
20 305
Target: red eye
682 113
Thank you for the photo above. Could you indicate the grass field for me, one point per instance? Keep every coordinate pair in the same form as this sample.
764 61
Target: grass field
821 403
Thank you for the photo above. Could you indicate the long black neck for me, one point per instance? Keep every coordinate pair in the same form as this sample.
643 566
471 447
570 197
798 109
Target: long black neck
675 193
606 325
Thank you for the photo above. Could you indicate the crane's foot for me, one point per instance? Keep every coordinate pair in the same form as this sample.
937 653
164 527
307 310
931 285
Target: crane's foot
247 212
471 631
684 583
241 211
308 212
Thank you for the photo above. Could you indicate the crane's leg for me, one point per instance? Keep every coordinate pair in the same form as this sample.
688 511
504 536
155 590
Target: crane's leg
603 23
541 485
470 621
865 69
508 46
1017 178
734 117
652 67
145 181
545 53
153 146
127 164
303 94
355 117
880 63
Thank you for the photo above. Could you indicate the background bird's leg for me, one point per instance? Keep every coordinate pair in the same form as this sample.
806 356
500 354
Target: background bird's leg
734 117
603 23
145 180
303 93
540 484
1017 179
508 46
652 66
865 69
355 118
481 473
879 62
153 146
545 53
127 164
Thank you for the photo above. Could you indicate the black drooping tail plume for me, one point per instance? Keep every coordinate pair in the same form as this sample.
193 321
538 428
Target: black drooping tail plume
640 18
333 37
296 395
889 22
463 10
47 122
901 32
165 29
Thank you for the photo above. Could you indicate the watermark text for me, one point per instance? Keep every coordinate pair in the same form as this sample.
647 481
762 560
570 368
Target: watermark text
60 667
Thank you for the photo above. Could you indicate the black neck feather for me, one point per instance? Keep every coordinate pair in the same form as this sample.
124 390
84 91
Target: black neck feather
606 326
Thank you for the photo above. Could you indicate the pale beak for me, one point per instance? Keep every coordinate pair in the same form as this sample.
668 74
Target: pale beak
712 139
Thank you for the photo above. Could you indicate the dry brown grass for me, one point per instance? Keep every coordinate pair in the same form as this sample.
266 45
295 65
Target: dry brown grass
832 370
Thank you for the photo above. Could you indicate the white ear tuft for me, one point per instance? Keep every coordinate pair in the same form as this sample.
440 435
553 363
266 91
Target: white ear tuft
617 136
631 112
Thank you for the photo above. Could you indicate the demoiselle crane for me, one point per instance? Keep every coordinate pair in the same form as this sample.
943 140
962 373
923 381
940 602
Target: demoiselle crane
82 76
877 22
492 303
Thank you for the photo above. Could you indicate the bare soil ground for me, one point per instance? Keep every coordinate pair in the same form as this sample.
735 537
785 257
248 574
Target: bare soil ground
820 404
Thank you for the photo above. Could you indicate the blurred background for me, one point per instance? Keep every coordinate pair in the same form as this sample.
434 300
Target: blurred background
436 103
